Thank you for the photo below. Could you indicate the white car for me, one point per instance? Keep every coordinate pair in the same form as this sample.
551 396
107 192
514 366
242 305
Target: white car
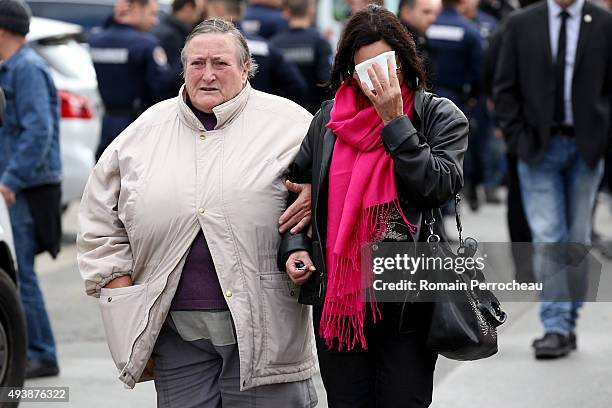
81 107
12 319
89 14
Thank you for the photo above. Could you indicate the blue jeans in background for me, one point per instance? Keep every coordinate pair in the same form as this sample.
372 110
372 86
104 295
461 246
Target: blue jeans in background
41 344
558 195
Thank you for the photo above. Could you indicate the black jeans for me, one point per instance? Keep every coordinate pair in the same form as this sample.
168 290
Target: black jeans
395 371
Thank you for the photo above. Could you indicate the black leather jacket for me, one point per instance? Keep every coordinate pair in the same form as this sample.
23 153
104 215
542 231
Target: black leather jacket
428 157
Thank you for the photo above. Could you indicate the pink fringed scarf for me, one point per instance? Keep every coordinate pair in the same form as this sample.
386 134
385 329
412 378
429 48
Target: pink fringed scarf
362 194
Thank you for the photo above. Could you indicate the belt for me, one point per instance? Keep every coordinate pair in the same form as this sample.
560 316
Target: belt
562 131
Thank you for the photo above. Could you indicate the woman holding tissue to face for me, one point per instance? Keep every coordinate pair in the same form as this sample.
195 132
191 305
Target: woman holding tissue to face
378 160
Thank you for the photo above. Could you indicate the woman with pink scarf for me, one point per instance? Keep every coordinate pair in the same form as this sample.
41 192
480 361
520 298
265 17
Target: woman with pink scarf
378 160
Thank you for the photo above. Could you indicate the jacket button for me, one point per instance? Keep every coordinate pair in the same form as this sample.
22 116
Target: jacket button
228 293
201 210
109 299
202 136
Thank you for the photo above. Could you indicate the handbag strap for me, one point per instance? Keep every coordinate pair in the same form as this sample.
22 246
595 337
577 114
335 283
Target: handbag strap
433 237
458 218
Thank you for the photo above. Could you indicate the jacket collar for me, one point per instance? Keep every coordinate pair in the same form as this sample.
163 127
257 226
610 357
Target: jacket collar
225 113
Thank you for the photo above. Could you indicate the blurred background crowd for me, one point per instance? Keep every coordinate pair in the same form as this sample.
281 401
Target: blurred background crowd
102 91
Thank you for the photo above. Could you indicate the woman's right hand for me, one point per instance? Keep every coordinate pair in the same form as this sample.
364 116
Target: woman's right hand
299 275
120 282
298 215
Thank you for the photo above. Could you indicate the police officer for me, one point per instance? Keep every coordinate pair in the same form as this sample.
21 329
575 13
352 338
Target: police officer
132 68
264 18
274 74
417 16
484 160
308 50
458 54
172 31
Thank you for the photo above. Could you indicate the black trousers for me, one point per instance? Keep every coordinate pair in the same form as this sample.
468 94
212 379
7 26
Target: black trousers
395 371
518 225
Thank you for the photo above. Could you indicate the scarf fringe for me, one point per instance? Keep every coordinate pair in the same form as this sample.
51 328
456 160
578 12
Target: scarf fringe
344 309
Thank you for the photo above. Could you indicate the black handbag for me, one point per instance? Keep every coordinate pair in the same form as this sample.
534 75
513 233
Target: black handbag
463 324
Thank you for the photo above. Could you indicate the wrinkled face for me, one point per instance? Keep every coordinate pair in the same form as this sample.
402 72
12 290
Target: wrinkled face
147 15
422 15
213 73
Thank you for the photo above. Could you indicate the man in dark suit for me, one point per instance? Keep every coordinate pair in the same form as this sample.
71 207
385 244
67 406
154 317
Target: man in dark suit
553 97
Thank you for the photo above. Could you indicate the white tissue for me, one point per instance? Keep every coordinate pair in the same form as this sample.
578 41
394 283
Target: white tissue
381 60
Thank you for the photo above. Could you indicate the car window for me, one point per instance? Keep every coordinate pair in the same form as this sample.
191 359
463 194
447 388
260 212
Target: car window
85 15
66 56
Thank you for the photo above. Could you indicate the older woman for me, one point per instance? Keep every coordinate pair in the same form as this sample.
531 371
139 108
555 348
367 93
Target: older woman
179 238
377 159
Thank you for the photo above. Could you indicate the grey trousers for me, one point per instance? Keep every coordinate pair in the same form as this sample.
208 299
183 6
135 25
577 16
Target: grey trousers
200 374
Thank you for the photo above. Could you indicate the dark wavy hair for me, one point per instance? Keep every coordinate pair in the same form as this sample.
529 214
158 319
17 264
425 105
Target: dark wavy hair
368 26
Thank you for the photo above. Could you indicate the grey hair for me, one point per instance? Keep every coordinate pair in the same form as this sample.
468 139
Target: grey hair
221 26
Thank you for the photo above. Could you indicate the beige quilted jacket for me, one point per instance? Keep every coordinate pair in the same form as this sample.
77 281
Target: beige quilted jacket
161 181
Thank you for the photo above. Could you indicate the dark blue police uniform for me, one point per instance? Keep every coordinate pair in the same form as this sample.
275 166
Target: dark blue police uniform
172 33
484 159
275 75
264 21
133 74
457 49
487 24
312 54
